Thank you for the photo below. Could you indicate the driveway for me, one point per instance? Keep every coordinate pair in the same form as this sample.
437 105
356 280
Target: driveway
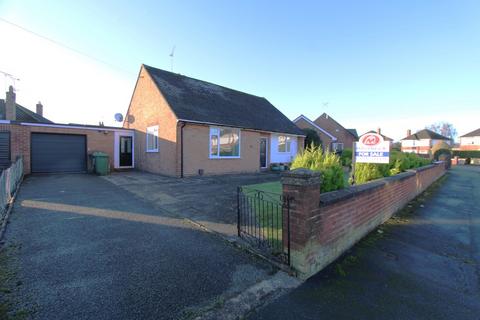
79 247
424 264
210 201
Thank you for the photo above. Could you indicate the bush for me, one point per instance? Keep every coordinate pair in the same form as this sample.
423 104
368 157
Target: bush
327 163
312 137
399 162
439 152
346 157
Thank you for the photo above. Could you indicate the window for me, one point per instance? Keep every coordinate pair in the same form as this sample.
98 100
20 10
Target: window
152 139
337 146
284 143
224 143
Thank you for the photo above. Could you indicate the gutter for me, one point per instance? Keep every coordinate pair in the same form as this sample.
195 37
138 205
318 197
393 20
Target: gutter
181 148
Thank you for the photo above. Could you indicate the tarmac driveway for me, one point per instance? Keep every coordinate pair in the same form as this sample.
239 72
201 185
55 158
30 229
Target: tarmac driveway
82 248
209 201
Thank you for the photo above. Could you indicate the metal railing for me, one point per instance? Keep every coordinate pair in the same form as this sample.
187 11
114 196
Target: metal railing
261 222
9 181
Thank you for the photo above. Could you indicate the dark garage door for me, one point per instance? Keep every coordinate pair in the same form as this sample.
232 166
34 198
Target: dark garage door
4 150
58 153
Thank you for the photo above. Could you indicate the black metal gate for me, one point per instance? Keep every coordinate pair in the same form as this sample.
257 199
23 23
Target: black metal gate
264 221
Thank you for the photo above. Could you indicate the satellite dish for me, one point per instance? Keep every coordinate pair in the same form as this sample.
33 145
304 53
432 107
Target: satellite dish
118 117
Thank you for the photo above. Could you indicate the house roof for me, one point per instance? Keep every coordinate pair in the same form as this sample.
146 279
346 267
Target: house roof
383 136
195 100
425 134
313 124
353 132
23 114
474 133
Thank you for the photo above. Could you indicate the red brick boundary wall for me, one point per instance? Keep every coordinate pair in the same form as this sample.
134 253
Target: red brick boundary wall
323 226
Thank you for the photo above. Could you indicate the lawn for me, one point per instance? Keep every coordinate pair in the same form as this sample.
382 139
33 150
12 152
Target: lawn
264 210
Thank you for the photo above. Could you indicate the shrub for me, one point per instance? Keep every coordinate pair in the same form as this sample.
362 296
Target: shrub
440 152
399 162
312 137
327 163
346 157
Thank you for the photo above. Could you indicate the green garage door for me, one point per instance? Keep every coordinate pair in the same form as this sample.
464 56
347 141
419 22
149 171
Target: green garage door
56 153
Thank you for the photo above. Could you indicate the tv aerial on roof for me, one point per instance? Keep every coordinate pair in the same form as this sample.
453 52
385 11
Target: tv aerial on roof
118 117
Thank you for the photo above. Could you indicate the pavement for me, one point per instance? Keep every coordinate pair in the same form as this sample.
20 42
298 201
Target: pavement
210 201
80 247
423 264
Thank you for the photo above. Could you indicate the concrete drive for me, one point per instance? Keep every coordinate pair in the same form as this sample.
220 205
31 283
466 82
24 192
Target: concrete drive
210 201
83 248
423 264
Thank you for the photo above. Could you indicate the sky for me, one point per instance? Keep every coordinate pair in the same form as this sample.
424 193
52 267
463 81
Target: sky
396 65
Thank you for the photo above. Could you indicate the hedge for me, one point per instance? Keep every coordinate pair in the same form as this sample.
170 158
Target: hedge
399 162
466 154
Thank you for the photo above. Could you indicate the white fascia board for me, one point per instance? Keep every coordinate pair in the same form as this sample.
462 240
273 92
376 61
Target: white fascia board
314 125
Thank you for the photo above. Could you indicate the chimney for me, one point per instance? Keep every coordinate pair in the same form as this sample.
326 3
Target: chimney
40 109
409 132
10 105
379 131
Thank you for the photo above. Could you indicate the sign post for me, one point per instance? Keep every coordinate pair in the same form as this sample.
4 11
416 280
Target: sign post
370 148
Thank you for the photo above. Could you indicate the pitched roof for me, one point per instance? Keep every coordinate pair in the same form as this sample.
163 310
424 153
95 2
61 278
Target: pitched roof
474 133
199 101
23 114
354 132
425 134
313 124
383 136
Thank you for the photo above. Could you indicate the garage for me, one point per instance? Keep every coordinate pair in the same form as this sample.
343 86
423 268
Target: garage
58 153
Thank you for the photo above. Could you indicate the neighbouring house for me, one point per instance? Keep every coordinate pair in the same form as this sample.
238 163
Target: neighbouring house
333 135
185 127
470 141
379 132
48 147
422 141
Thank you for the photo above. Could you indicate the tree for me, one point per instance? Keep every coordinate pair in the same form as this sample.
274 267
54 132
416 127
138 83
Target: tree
440 148
312 137
444 128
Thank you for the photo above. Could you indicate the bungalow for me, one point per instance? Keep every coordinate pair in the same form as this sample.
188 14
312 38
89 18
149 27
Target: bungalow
186 127
470 141
48 147
422 142
333 135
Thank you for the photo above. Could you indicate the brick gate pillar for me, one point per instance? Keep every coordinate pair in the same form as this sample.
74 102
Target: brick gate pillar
302 186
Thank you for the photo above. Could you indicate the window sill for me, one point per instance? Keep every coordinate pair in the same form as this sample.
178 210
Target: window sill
223 158
151 151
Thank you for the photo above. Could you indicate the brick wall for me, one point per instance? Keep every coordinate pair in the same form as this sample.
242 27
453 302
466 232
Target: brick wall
323 226
331 126
149 108
326 140
97 140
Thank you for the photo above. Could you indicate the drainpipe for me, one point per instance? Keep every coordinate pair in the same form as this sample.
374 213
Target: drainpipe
181 148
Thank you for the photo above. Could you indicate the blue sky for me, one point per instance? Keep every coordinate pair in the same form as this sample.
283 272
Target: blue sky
393 64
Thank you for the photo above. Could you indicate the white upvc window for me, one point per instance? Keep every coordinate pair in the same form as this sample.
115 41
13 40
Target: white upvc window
284 143
337 146
152 139
224 143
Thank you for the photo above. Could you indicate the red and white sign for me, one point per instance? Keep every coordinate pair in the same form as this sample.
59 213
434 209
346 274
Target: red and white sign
371 148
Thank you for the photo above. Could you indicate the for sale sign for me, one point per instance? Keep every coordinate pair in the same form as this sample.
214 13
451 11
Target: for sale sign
371 148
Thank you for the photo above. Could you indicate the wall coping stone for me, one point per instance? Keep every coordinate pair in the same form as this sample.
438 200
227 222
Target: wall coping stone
301 177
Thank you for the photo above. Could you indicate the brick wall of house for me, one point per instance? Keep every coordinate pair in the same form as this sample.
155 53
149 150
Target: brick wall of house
20 136
197 148
148 108
323 226
336 130
326 140
470 147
